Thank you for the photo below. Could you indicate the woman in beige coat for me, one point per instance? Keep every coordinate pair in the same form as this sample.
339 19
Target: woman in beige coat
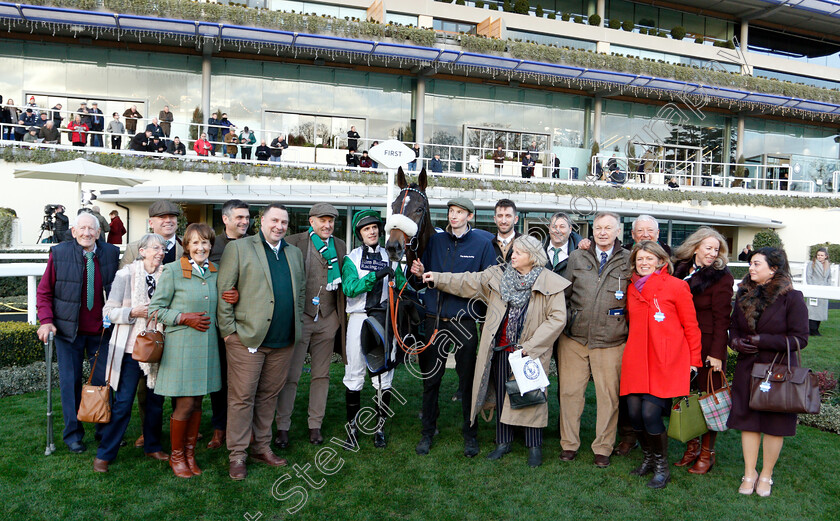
526 309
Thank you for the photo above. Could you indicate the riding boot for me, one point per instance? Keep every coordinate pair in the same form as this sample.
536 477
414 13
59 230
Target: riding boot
177 435
707 455
647 455
661 471
353 402
191 437
814 327
692 450
379 440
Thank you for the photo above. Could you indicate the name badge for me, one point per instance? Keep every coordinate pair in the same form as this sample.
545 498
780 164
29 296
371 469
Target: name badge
619 295
617 312
316 301
764 387
659 316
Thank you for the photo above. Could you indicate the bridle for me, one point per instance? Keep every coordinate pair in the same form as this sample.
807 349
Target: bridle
394 303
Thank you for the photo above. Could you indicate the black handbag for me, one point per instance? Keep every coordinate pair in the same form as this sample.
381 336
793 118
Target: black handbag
520 401
782 388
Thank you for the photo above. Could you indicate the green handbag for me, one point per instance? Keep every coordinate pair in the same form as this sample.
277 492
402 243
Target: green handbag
687 421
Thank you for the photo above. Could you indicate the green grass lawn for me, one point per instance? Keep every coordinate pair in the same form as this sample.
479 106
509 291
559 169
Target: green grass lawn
397 484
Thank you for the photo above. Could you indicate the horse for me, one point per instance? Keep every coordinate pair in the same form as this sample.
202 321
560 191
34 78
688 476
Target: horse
409 227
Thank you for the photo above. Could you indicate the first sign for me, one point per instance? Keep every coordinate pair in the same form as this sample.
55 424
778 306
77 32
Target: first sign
392 154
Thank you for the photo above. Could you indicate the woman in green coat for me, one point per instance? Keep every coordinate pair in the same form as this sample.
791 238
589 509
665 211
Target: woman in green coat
185 301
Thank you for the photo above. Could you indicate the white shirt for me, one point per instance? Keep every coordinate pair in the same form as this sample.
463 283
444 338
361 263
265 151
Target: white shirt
563 252
505 242
599 251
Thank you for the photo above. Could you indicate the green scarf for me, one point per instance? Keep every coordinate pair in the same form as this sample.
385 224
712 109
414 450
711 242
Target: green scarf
327 251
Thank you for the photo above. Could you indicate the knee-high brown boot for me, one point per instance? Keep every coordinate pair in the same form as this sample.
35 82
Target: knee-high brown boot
707 455
191 437
692 451
177 436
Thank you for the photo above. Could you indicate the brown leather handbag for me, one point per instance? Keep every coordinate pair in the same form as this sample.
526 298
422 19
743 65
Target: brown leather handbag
148 347
782 388
95 405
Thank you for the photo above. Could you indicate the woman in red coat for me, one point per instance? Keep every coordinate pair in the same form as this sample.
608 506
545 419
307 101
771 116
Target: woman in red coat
78 130
663 349
769 314
701 261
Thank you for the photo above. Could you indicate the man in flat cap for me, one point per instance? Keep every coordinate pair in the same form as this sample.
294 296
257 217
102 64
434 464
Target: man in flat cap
323 318
163 220
457 250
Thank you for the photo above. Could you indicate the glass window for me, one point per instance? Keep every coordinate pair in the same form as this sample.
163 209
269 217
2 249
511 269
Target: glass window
402 19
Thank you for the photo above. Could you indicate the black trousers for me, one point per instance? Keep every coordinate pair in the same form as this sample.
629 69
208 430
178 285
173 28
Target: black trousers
246 153
116 142
500 371
462 337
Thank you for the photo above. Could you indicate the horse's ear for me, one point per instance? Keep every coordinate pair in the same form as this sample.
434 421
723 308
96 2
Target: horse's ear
422 182
401 182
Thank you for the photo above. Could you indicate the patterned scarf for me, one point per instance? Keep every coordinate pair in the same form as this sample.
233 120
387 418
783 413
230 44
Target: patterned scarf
516 291
327 251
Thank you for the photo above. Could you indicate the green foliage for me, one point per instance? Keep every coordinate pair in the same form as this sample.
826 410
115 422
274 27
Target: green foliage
595 19
662 34
493 7
628 25
460 2
507 6
19 344
699 39
13 303
643 30
578 19
539 11
833 251
522 7
197 117
552 16
565 17
827 420
7 219
482 44
767 239
614 23
678 32
15 380
479 4
595 150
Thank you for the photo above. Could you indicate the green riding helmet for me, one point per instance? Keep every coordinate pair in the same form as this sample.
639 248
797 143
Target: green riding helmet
364 218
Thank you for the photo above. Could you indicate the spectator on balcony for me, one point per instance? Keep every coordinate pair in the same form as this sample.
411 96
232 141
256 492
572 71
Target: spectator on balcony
351 158
116 129
42 120
10 115
225 126
745 254
158 145
78 131
436 165
57 119
278 144
49 133
117 228
612 163
246 142
365 161
203 147
230 145
166 118
154 126
29 119
5 120
31 136
140 142
375 164
84 113
131 116
353 138
263 152
672 183
498 160
33 106
535 152
176 147
213 132
413 165
97 125
527 166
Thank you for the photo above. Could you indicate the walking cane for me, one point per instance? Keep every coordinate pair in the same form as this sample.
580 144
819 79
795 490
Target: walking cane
48 354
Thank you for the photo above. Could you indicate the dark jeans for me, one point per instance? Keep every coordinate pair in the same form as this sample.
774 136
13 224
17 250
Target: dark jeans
96 140
433 364
246 153
70 356
116 142
121 403
219 399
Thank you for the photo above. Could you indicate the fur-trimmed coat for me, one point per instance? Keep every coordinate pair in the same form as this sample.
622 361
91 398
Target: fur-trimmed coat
777 313
712 292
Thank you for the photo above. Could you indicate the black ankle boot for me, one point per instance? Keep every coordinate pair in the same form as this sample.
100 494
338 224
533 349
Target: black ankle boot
647 455
661 469
353 401
379 439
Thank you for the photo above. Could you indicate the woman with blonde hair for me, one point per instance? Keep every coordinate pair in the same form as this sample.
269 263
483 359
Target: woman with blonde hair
701 261
662 351
818 273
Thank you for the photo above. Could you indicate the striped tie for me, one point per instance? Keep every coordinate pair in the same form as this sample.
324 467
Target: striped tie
90 274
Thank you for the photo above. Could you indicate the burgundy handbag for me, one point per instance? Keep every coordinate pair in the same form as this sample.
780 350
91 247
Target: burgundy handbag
782 388
148 347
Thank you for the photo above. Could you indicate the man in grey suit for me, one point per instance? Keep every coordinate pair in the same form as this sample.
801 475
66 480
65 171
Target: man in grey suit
323 317
260 333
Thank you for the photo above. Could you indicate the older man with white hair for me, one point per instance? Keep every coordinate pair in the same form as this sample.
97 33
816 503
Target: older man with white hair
70 298
646 228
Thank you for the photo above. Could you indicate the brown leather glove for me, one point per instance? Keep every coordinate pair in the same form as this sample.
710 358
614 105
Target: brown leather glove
197 321
743 346
231 296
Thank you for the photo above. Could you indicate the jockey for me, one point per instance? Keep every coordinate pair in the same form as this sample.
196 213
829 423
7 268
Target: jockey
364 279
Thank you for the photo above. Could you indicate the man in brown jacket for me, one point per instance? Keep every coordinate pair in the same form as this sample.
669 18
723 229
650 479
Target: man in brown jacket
323 316
594 340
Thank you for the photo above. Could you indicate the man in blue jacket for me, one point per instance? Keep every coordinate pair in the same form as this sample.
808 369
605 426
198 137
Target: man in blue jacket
459 249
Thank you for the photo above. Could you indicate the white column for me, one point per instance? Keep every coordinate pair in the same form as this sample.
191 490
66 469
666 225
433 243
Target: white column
597 105
739 146
743 44
601 10
206 70
419 116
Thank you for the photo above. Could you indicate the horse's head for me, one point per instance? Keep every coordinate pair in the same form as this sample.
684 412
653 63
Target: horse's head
410 222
